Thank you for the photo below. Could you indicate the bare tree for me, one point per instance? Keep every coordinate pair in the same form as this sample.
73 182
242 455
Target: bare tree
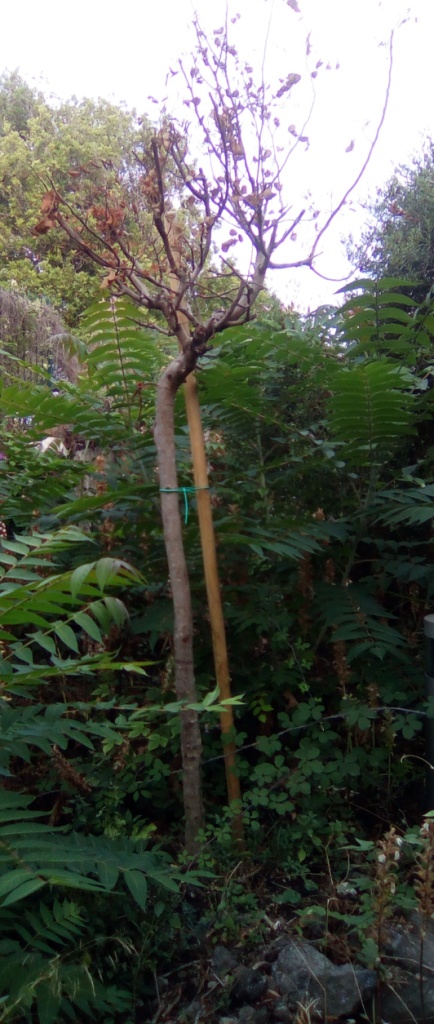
154 234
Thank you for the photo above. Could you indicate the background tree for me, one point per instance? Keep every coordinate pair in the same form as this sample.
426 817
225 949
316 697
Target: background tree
39 138
32 334
19 103
399 238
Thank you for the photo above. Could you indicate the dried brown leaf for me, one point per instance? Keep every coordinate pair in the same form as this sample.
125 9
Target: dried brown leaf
49 202
44 225
108 280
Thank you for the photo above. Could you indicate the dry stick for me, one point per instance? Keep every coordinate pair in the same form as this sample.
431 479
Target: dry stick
212 583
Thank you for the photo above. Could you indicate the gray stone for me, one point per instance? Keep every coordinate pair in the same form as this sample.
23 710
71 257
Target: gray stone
283 1014
401 1001
402 943
272 951
303 975
192 1011
252 1015
223 961
409 993
249 986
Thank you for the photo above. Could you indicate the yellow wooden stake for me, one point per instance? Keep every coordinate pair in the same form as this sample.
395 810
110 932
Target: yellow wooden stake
212 583
209 555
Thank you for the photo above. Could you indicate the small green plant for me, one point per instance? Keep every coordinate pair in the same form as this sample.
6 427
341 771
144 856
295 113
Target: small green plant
233 909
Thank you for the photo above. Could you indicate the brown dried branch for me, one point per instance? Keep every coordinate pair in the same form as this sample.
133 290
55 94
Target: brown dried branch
74 235
169 251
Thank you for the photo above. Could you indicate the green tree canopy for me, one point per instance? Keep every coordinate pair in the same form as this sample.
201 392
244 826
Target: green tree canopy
399 238
18 103
41 139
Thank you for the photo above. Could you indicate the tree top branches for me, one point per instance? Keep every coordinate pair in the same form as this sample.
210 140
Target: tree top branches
155 227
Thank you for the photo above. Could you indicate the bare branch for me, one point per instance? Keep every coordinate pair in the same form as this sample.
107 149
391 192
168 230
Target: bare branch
289 230
354 184
153 234
82 246
337 280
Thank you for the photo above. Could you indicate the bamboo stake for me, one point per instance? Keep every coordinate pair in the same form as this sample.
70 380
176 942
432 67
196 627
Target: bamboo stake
212 583
209 554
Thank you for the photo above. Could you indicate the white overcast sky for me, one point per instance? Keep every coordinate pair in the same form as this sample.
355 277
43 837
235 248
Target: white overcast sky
122 51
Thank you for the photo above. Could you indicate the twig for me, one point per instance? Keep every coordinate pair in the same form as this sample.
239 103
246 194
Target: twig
367 160
167 1009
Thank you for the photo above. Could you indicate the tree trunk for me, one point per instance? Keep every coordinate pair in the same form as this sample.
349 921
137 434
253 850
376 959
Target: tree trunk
209 554
191 743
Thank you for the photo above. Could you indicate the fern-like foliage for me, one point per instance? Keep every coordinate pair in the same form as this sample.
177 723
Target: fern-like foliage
43 968
382 321
115 393
122 358
241 381
48 617
40 727
45 611
34 856
41 961
412 505
266 542
371 407
354 616
84 412
31 966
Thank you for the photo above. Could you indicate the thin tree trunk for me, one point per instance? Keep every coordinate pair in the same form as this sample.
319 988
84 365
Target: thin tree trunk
191 743
209 555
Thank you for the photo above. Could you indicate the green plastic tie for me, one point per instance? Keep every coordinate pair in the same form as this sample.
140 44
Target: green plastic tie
185 491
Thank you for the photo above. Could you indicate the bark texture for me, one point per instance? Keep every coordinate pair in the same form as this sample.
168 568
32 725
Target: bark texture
191 743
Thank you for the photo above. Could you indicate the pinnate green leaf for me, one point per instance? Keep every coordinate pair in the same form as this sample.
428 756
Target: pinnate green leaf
89 625
79 575
138 886
23 890
66 635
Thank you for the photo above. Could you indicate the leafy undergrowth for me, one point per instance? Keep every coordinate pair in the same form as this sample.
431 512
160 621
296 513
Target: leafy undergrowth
325 558
246 916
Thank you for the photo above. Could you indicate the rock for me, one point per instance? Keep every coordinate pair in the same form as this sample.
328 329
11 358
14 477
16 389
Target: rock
192 1011
252 1015
223 961
402 942
248 987
302 974
282 1014
272 951
408 995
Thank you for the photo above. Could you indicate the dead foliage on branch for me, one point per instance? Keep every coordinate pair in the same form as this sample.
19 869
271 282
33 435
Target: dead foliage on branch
176 217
